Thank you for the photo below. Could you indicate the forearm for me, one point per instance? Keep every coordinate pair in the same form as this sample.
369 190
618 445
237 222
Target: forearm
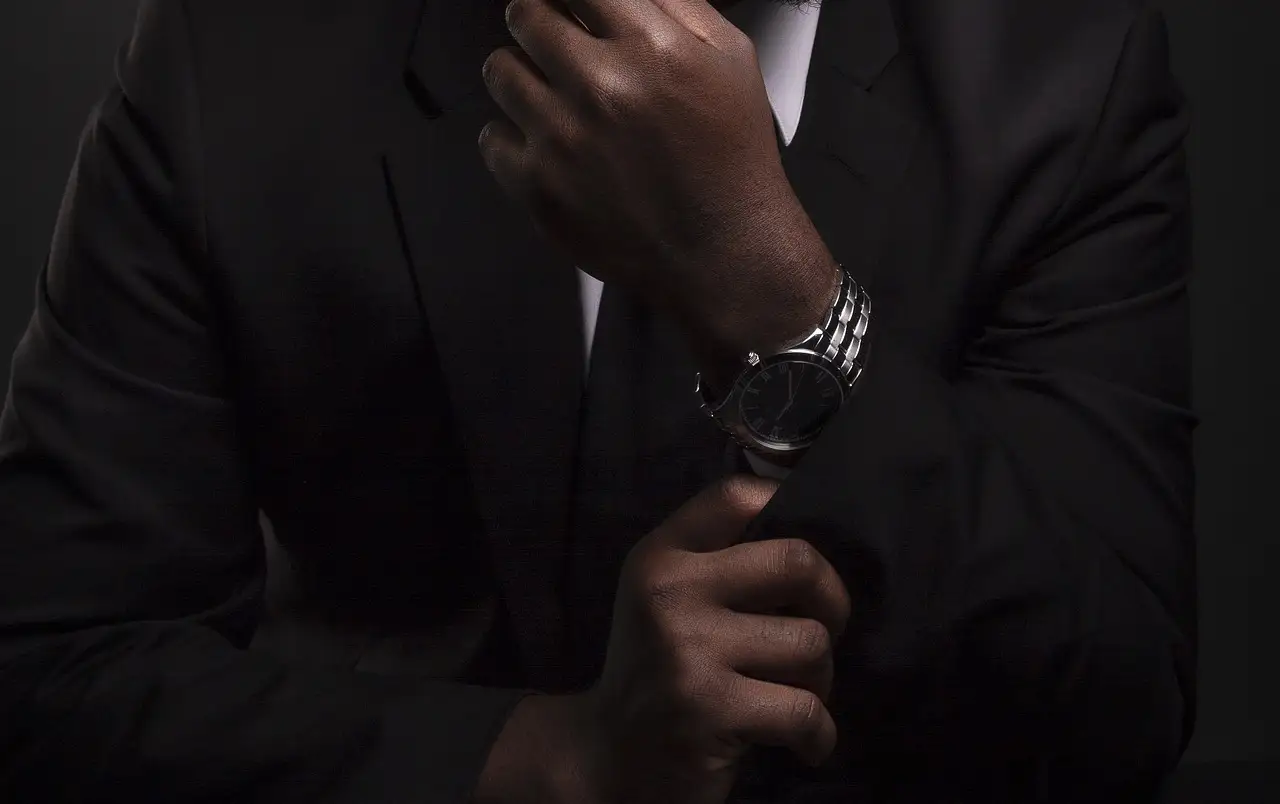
535 758
780 285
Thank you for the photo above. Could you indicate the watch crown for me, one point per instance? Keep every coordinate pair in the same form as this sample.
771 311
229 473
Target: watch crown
753 359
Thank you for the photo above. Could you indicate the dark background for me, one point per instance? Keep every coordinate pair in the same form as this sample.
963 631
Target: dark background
55 61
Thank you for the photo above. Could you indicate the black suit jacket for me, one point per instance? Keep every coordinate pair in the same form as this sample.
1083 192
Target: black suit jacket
282 280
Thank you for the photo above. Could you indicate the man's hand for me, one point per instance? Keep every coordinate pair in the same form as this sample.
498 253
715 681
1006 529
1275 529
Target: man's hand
640 136
699 666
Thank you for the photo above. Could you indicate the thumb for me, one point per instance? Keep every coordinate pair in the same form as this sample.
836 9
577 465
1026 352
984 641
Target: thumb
718 516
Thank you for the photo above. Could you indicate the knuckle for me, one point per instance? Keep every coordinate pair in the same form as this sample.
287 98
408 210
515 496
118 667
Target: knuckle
488 145
517 11
663 595
612 90
490 69
662 45
498 71
742 496
797 558
806 711
663 581
811 641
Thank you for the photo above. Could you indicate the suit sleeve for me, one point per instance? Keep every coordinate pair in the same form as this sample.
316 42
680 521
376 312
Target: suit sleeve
1017 532
132 561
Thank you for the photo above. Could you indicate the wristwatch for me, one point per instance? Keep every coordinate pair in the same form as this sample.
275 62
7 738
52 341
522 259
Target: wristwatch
779 404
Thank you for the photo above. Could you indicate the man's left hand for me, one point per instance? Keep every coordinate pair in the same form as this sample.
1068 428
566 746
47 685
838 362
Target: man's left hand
640 136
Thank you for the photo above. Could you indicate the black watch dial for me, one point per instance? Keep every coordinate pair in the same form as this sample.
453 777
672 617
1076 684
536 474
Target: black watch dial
789 401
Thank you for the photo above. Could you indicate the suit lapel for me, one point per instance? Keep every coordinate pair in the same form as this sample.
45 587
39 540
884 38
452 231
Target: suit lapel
503 313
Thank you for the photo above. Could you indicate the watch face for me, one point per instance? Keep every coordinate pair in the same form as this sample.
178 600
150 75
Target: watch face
789 401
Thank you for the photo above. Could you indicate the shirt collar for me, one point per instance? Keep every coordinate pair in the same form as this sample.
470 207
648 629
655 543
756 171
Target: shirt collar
783 34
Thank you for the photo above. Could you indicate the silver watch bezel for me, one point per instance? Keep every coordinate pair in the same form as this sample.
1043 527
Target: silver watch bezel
727 411
737 420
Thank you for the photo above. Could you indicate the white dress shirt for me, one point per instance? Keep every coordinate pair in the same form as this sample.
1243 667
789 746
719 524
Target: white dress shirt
783 35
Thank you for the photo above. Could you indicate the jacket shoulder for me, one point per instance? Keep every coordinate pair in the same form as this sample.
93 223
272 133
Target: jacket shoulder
305 50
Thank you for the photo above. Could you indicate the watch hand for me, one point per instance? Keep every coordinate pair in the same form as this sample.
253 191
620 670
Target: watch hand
791 400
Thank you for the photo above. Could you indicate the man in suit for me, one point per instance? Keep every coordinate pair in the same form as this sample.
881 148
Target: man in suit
429 284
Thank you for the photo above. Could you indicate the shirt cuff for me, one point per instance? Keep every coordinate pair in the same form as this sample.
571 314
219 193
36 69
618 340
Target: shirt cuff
765 468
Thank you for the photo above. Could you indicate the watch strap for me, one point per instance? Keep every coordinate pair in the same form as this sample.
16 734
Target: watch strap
841 338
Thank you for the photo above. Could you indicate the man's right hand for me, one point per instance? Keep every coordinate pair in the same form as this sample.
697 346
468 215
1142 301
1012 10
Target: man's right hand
716 645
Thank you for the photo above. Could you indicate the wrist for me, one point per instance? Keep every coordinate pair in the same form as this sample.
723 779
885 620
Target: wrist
796 281
575 774
540 757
